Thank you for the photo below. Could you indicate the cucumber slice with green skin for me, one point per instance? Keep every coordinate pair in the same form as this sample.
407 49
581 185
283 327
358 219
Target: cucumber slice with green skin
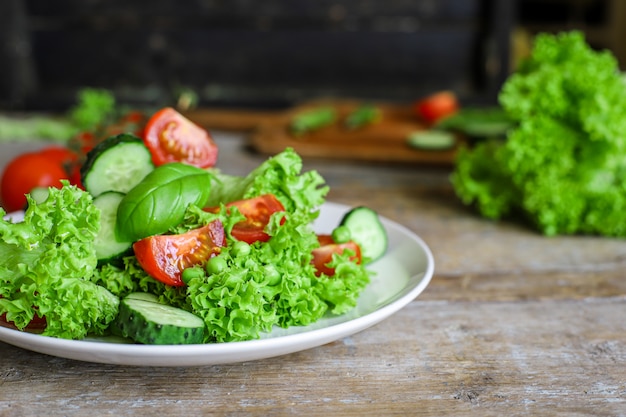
145 296
145 320
434 140
109 247
39 194
116 164
367 231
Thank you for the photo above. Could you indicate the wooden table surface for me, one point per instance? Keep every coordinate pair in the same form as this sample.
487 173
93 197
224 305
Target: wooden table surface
512 324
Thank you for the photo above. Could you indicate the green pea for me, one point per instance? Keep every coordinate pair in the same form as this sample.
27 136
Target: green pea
216 265
241 248
192 273
341 234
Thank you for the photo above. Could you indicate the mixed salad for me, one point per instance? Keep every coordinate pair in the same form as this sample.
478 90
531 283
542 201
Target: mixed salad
149 240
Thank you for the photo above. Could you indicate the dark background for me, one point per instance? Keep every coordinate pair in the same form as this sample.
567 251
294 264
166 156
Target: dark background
274 53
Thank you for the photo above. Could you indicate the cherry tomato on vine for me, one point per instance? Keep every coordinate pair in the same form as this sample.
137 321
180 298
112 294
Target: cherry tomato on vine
171 137
25 172
165 257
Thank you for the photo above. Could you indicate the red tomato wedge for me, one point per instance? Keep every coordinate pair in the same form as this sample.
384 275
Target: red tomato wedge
165 257
171 137
258 211
324 254
437 106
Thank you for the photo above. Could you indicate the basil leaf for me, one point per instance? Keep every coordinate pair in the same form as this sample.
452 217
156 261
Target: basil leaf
160 200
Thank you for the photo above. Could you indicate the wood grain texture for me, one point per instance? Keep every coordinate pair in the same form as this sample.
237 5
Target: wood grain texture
432 358
512 324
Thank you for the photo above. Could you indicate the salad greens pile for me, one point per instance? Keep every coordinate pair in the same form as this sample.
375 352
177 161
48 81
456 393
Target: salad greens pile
52 269
273 283
47 262
562 167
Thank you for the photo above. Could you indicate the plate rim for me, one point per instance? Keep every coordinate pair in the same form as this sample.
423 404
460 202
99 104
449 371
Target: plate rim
221 353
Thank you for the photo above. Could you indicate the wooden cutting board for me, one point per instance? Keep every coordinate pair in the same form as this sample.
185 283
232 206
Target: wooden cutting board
382 141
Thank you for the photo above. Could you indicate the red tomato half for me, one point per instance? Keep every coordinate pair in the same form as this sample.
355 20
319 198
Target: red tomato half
26 172
171 137
258 211
324 254
165 257
437 106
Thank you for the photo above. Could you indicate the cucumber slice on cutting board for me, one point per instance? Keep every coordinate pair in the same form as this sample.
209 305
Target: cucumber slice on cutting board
144 319
433 140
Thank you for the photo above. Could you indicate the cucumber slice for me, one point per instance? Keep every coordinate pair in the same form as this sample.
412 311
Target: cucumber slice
367 230
143 319
108 247
434 140
39 194
116 164
146 296
479 123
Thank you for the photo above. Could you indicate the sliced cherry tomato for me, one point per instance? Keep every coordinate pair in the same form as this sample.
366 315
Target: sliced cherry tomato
165 257
26 172
437 106
324 254
258 211
171 137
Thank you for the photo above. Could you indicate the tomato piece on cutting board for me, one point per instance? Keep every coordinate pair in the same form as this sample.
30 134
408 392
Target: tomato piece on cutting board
436 106
171 137
165 257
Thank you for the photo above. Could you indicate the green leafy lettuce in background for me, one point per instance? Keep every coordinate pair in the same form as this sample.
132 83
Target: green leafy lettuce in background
562 168
94 107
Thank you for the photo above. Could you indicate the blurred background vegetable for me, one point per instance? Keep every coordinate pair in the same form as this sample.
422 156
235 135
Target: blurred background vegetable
562 169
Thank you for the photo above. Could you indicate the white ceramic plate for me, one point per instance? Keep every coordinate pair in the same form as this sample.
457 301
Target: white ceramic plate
401 275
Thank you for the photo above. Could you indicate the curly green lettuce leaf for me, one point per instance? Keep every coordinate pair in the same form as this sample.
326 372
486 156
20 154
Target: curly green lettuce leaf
48 259
562 168
116 279
281 175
